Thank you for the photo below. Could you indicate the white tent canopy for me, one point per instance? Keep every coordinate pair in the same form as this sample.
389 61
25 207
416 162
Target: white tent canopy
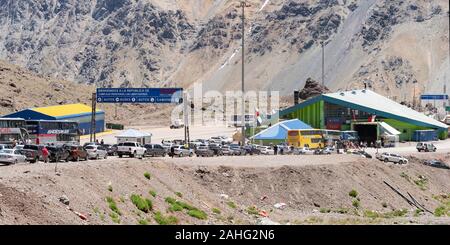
134 135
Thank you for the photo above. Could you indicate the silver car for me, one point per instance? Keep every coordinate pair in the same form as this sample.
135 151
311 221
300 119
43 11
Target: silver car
96 152
10 156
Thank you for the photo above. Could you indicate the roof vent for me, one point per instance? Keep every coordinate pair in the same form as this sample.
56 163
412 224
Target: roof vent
353 92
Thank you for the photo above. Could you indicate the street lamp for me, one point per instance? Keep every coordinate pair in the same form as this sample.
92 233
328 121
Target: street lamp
242 5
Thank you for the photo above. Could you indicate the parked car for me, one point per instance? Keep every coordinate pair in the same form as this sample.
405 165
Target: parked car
58 153
90 143
77 153
362 153
131 149
238 150
266 150
425 147
3 146
204 151
437 164
110 149
216 148
33 153
181 151
303 151
18 147
390 157
96 152
252 149
155 150
226 150
221 140
11 156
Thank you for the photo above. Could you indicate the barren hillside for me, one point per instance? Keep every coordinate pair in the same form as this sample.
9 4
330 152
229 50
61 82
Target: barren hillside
318 191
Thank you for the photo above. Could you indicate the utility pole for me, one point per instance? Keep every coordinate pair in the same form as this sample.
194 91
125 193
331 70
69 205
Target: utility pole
323 63
243 5
92 135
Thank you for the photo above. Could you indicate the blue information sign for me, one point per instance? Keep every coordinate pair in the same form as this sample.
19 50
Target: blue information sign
139 95
434 97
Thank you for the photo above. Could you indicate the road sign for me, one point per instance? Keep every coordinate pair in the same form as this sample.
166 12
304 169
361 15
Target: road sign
434 97
140 95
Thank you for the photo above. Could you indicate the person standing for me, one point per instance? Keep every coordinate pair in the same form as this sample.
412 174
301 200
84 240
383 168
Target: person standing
275 149
45 154
102 142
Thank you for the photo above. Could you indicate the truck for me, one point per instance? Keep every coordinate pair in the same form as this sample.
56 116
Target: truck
178 123
131 149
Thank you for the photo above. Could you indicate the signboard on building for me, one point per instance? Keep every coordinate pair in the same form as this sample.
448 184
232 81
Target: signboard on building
434 97
140 95
447 108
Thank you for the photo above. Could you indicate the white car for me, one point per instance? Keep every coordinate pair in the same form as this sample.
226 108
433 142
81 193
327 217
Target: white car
96 152
266 150
303 151
390 157
10 156
222 140
181 151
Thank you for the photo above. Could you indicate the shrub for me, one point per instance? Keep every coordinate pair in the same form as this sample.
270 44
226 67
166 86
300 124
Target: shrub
179 194
142 204
396 213
185 205
152 193
355 203
147 175
421 183
252 210
384 204
353 193
440 211
175 208
325 210
143 222
371 214
231 204
114 217
197 214
112 205
216 210
162 220
110 188
418 212
170 200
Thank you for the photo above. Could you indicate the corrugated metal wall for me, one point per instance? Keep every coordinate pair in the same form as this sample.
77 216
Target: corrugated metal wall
312 114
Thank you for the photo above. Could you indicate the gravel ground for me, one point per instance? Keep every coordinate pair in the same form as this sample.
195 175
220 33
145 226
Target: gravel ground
29 193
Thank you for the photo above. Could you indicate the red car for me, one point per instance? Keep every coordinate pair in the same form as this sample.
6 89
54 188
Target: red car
77 153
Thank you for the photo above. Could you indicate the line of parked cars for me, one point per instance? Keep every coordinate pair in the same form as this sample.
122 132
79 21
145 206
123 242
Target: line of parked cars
66 152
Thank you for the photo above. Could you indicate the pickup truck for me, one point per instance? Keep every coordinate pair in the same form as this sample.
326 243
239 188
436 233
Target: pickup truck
33 153
131 149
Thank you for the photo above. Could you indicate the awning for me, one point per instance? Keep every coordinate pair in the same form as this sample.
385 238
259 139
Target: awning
388 129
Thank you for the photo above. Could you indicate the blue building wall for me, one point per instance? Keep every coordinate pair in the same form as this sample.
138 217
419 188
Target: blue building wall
84 120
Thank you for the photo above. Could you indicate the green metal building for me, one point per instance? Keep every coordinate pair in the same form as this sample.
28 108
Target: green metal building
353 110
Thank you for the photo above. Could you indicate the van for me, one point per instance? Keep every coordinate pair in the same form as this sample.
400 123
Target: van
425 147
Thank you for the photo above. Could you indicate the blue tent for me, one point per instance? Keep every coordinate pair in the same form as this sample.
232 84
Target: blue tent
279 130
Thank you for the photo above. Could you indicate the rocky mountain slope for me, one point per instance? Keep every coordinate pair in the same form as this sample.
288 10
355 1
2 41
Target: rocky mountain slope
392 46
